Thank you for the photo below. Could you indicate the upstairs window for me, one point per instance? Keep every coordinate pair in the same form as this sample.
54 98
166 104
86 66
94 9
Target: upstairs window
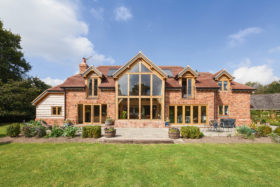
93 87
56 110
187 86
223 84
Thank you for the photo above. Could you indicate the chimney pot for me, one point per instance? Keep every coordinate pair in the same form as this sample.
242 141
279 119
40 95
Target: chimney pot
83 66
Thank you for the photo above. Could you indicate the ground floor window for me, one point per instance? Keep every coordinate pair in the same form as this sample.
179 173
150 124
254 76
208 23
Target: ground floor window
56 110
188 114
139 108
223 110
92 113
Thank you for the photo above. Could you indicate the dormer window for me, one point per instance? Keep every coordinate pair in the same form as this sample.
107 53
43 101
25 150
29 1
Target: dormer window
187 87
223 84
93 87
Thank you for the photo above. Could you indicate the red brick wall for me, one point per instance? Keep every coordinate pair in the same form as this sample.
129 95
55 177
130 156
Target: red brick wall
239 106
73 98
52 121
174 97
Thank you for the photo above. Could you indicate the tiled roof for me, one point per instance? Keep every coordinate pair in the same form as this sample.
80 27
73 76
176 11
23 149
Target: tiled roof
204 80
265 102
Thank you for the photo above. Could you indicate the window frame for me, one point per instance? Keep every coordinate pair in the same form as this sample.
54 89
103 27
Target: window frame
222 87
223 110
186 87
56 110
92 78
152 73
191 114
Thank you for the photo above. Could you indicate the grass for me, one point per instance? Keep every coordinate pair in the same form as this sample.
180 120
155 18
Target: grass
84 164
3 127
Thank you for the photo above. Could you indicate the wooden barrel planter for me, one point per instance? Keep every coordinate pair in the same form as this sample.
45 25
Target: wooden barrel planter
174 133
109 133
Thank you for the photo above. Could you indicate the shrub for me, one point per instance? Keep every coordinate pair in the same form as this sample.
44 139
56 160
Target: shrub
40 131
277 131
34 129
13 130
174 130
263 131
190 132
245 132
109 129
70 131
29 131
263 121
56 132
275 137
91 132
277 123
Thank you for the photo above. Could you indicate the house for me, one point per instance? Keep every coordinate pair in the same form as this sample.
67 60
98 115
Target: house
142 94
265 106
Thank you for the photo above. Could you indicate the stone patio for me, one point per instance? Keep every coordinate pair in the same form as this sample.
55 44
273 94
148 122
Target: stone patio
160 133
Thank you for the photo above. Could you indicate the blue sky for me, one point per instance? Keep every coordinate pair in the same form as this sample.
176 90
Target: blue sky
241 36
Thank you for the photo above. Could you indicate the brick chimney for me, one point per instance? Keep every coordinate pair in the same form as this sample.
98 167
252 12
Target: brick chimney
83 66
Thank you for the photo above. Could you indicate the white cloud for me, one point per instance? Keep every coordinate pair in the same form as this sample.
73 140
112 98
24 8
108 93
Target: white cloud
274 50
263 73
97 13
239 37
122 14
49 29
52 82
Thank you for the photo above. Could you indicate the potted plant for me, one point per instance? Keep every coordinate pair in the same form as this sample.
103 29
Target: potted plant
167 122
110 132
174 133
109 121
68 122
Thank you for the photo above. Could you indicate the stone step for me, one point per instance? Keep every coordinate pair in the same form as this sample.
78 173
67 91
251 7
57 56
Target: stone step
137 141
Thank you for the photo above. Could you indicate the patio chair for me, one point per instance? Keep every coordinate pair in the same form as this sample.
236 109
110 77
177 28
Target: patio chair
213 125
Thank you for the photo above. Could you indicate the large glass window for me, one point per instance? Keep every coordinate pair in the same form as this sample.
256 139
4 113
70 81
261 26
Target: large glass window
139 94
134 108
157 85
122 85
104 113
145 108
122 108
133 84
80 113
145 84
203 114
156 108
95 87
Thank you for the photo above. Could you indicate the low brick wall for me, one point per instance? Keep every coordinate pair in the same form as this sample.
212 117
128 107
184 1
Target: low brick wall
139 124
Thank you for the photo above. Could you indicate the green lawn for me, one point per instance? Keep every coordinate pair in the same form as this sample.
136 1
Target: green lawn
3 129
139 165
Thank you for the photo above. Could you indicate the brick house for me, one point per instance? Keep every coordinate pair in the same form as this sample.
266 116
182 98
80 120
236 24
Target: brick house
143 94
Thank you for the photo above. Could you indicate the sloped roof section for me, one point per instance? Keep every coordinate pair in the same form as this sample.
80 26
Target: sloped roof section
76 81
221 73
92 69
265 102
186 69
138 56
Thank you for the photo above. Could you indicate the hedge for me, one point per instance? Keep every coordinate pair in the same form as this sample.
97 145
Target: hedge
91 132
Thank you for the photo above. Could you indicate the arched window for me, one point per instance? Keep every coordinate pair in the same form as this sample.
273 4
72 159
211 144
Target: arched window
139 93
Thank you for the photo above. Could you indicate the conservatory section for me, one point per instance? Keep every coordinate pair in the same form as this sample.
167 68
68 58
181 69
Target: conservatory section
139 94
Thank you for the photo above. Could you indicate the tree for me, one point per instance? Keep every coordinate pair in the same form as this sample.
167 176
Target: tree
16 97
273 87
12 63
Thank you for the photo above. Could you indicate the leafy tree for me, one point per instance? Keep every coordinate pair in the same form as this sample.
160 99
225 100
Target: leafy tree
16 97
12 63
273 87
